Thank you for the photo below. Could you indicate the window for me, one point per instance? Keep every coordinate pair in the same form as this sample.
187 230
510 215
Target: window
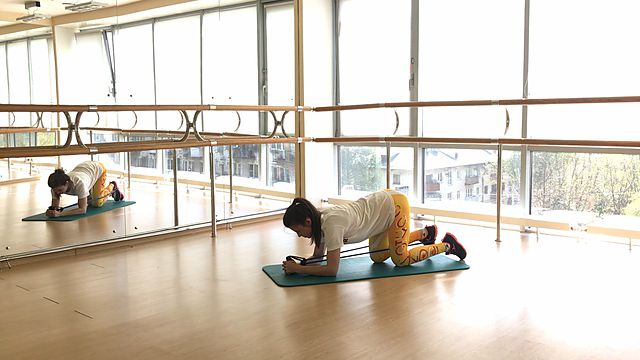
475 161
230 76
282 160
396 179
177 64
280 55
605 185
470 50
366 47
570 57
135 85
254 171
19 84
362 169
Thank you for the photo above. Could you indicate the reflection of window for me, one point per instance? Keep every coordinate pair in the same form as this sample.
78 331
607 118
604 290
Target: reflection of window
144 159
396 179
254 171
280 54
134 69
177 77
279 174
231 79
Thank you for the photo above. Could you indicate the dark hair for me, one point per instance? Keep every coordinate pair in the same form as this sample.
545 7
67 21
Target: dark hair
58 178
299 210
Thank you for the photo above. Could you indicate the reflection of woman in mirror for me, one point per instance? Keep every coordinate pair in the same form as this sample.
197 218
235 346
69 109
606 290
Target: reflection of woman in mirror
87 181
383 217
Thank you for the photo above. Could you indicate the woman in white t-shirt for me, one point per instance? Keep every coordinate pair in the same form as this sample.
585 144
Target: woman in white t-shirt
87 181
383 217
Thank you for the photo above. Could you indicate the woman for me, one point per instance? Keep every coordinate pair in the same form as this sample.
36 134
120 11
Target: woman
382 217
87 181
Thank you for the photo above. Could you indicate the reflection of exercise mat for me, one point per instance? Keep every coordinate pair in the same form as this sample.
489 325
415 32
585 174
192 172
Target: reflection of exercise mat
109 205
361 267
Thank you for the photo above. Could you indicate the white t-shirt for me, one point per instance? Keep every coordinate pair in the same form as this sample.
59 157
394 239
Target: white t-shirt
358 220
83 177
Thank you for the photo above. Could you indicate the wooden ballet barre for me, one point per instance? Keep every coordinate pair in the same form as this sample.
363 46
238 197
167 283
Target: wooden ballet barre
489 141
543 101
112 108
407 139
560 142
160 132
18 130
43 108
132 146
264 140
258 108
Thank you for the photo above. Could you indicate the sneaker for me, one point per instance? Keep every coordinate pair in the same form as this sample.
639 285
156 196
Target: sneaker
116 193
432 233
455 247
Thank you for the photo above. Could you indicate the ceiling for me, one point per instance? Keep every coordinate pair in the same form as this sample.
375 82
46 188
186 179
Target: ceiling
117 11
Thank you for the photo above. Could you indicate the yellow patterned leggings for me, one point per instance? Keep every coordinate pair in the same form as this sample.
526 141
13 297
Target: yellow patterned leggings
398 237
100 190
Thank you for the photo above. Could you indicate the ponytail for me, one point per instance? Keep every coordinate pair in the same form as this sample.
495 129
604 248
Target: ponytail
57 178
296 214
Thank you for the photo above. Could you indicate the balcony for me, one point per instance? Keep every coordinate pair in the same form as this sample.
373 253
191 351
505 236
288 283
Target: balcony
471 180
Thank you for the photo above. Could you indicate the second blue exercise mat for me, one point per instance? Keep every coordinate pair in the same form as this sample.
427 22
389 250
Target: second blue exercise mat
109 205
361 267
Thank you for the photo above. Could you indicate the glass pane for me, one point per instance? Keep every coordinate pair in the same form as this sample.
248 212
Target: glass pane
177 55
4 88
362 170
467 178
135 85
42 89
570 57
470 50
471 121
592 121
374 62
245 164
230 74
577 187
134 74
189 160
282 172
92 72
19 89
280 55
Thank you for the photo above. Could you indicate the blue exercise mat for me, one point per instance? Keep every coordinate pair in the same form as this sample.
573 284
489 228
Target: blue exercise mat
361 267
107 206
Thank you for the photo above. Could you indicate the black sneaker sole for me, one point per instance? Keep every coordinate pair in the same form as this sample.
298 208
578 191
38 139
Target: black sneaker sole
456 248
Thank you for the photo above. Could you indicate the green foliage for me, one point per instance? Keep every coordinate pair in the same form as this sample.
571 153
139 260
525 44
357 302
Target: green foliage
633 208
600 183
360 168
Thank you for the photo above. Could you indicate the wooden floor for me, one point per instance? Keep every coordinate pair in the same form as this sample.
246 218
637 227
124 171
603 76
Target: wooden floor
194 297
